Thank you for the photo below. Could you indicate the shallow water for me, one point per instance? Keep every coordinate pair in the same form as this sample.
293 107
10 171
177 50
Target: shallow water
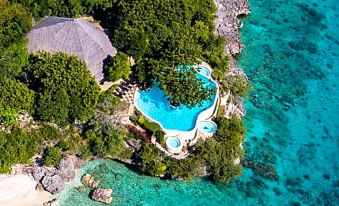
291 58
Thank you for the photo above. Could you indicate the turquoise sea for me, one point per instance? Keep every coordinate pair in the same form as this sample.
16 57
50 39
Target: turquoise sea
292 60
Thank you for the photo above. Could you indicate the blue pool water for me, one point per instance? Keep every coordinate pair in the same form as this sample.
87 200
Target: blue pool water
155 105
173 142
291 58
207 127
204 71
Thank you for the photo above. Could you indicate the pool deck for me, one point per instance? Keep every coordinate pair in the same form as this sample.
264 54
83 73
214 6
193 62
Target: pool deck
188 138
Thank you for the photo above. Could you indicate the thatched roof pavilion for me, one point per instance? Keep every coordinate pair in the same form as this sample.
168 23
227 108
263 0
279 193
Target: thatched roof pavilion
73 36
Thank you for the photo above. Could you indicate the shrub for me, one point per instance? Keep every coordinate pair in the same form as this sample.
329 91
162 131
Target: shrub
65 88
15 95
117 67
18 146
49 132
237 85
159 134
229 128
64 145
9 116
151 126
52 156
134 119
141 121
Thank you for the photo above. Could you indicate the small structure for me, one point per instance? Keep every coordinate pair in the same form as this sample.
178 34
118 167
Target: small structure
174 145
75 37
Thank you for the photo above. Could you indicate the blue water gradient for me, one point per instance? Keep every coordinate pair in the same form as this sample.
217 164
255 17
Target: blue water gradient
291 58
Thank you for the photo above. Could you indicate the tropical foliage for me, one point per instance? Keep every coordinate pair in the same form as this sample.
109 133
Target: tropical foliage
217 155
14 96
160 35
117 67
66 8
17 146
15 22
64 87
52 156
237 85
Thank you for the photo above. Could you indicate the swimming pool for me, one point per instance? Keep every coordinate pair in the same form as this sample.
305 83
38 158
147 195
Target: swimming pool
154 104
174 144
207 127
204 71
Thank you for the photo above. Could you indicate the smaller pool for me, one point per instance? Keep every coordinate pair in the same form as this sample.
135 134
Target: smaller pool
174 144
204 71
207 127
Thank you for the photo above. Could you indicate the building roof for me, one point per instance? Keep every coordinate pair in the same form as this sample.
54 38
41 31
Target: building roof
73 36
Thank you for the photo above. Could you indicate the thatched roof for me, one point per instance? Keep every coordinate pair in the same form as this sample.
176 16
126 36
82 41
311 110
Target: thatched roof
73 36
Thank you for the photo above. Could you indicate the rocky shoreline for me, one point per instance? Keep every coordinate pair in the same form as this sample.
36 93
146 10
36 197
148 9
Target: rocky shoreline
227 23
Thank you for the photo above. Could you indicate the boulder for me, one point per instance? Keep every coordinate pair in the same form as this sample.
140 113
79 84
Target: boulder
53 184
65 169
38 173
89 181
136 144
102 195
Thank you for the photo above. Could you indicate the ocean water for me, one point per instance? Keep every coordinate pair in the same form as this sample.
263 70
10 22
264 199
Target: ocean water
292 60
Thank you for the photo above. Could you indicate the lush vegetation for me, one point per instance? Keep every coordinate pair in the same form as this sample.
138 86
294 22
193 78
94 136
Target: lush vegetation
146 124
52 156
237 85
117 67
15 22
66 8
217 154
14 96
17 146
160 35
65 89
104 133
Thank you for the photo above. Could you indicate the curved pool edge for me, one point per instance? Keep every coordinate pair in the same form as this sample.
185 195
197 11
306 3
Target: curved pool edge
204 115
170 148
209 122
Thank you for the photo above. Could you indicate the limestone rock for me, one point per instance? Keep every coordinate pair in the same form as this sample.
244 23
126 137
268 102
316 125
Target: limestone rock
102 195
53 184
136 144
66 169
38 173
228 24
89 181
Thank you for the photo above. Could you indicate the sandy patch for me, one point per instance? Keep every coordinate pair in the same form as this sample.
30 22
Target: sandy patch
19 190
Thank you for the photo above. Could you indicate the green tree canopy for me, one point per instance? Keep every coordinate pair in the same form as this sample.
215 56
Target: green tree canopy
15 22
160 35
66 8
18 146
64 86
237 85
52 156
229 128
117 67
15 95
